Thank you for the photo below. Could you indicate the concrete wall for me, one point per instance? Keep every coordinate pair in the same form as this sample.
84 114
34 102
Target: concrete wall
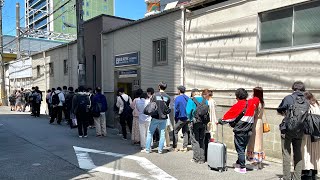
139 38
57 57
221 43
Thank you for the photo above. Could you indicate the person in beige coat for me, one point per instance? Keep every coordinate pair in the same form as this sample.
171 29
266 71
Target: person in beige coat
255 153
310 150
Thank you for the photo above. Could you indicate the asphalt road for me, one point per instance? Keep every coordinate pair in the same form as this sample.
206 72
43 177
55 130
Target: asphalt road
31 148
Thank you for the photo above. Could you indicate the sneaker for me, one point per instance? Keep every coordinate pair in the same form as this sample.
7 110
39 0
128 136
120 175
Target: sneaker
235 165
240 170
80 136
184 150
160 152
85 136
125 139
145 151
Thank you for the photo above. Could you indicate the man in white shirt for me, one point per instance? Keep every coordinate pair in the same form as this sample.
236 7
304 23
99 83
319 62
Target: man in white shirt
125 111
57 100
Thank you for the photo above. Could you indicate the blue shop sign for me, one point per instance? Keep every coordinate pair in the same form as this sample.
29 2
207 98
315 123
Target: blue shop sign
127 59
127 74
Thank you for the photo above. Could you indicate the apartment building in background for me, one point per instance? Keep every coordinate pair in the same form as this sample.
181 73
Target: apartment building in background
60 15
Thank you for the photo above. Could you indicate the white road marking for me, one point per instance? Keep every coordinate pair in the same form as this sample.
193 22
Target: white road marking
85 162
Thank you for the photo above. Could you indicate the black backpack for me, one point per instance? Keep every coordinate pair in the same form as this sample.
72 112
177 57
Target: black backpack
296 116
201 114
127 110
83 103
55 99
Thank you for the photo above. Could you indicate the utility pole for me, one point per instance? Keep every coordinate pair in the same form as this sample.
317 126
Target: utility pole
80 44
3 86
18 30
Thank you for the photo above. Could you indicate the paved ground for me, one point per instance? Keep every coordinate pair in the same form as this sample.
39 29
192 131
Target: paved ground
33 149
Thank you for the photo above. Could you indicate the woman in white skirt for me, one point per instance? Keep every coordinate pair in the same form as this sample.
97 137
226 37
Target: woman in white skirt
310 150
135 136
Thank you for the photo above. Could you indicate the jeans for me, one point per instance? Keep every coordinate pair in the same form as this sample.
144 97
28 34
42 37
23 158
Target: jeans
161 124
240 143
143 128
100 123
56 113
124 121
184 126
197 131
286 142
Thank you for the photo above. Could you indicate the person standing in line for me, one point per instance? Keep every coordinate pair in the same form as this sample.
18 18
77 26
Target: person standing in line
68 104
99 107
287 140
31 100
80 107
255 153
65 111
241 117
156 135
18 101
197 127
125 112
23 100
36 102
144 120
181 119
135 136
311 147
160 119
12 100
48 97
57 100
90 116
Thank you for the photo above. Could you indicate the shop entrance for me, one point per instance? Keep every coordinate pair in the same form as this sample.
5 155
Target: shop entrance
129 80
127 87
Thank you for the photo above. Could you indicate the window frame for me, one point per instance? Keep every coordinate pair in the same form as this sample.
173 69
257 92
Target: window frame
155 62
283 49
65 67
51 69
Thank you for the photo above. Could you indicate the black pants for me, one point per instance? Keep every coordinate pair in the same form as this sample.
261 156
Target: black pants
66 113
82 120
36 109
56 113
197 140
49 109
184 126
309 175
124 121
206 144
240 143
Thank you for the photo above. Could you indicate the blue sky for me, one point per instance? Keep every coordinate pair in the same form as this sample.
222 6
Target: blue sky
132 9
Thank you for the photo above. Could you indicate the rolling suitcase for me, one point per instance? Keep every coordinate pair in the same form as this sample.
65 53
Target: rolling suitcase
217 155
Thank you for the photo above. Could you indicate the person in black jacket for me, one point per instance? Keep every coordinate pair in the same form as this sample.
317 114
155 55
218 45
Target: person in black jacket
286 140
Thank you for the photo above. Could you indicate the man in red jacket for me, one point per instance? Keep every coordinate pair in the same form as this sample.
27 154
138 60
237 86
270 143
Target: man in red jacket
241 117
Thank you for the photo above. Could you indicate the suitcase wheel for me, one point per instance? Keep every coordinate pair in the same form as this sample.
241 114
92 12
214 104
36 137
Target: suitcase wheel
220 170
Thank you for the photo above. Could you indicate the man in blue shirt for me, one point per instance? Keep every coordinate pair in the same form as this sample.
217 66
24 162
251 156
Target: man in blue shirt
181 120
197 128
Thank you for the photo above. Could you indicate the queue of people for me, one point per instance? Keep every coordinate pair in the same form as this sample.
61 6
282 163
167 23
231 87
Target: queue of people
147 118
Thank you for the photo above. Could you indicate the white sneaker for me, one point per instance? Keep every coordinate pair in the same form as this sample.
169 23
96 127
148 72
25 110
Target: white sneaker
80 136
240 170
85 136
145 151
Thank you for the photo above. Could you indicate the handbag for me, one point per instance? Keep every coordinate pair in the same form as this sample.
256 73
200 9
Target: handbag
266 125
151 108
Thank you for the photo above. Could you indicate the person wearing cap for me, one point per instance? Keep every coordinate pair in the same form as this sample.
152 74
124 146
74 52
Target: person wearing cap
181 120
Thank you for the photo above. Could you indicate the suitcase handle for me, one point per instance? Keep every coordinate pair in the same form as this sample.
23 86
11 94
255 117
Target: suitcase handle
221 133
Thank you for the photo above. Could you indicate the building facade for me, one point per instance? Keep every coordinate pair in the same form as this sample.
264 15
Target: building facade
222 46
142 54
47 14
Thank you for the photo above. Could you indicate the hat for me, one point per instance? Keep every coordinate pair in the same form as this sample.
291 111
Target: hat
181 88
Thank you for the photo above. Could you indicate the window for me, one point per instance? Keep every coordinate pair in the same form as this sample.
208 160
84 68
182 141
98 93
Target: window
38 71
160 52
105 8
65 67
63 18
87 13
87 3
63 27
51 73
290 28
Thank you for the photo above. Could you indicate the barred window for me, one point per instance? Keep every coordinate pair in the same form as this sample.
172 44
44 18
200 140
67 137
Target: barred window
160 52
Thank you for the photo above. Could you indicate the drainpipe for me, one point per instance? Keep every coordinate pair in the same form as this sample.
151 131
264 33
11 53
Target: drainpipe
183 37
